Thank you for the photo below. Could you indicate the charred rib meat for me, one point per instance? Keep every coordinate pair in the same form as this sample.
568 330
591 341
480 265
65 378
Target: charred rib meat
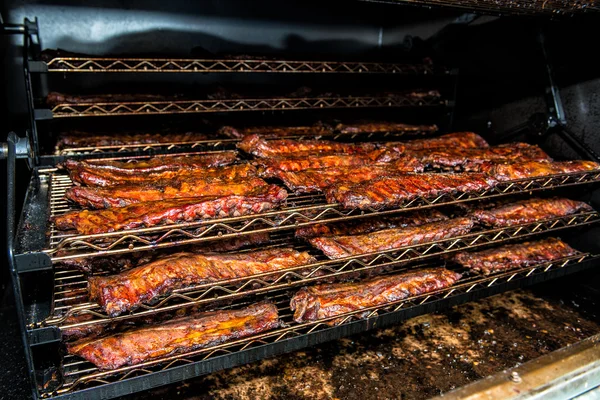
462 140
177 336
529 210
532 169
382 127
325 301
121 196
403 220
270 167
127 290
85 139
171 211
387 239
514 256
395 190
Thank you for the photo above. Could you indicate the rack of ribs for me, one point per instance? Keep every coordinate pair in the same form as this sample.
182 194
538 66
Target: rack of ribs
403 220
325 301
382 127
55 98
275 131
76 139
527 211
471 159
396 190
177 336
531 169
462 140
154 213
121 262
271 167
341 246
316 180
124 195
128 290
83 175
260 147
514 256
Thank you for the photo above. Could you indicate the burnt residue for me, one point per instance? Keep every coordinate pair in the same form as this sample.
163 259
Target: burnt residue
423 357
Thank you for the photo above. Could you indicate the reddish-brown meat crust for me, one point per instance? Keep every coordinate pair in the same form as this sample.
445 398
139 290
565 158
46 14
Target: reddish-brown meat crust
275 131
463 140
382 127
76 139
108 178
127 290
395 190
271 167
121 262
532 169
55 98
387 239
260 147
314 180
514 256
177 336
530 210
324 301
121 196
403 220
171 211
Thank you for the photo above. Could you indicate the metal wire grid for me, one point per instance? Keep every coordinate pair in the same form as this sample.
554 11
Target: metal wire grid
78 374
71 289
102 64
509 7
206 106
300 210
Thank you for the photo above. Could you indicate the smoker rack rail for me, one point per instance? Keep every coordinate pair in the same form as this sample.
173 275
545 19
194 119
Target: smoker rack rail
507 7
78 374
229 105
300 210
83 64
226 141
71 294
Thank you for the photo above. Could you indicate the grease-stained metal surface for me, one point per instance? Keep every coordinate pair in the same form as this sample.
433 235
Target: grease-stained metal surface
423 357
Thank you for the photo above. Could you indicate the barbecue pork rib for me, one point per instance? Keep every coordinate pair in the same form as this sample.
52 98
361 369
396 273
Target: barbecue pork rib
530 210
121 196
101 178
383 127
275 131
388 239
260 147
76 139
316 180
126 291
395 190
154 213
462 140
413 218
271 167
514 256
530 169
155 164
471 159
55 98
120 262
325 301
176 336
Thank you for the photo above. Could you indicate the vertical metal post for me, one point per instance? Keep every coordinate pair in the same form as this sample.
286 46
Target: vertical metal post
10 238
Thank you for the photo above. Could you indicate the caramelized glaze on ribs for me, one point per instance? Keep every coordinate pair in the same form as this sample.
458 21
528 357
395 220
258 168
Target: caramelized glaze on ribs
387 239
395 190
530 210
514 256
176 336
121 196
127 290
258 146
77 139
270 167
403 220
121 262
275 131
313 180
532 169
382 127
463 140
108 178
171 211
325 301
